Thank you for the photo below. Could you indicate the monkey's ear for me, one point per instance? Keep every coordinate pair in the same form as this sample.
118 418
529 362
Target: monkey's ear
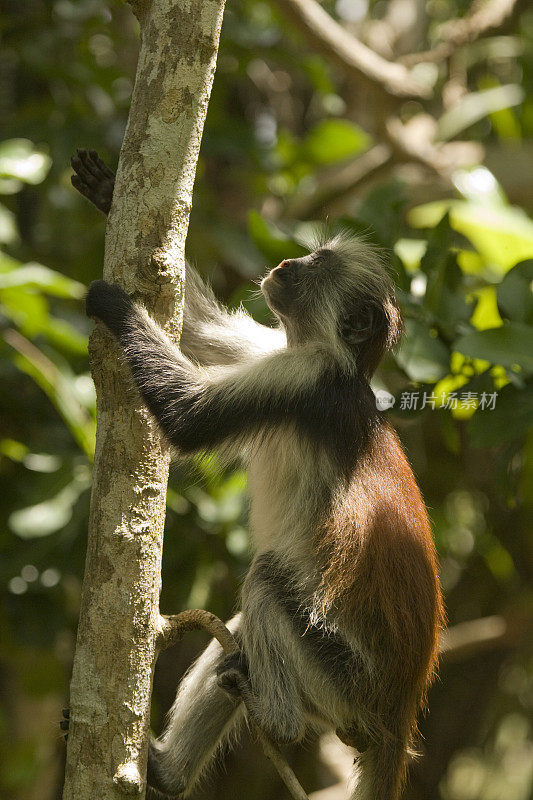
359 325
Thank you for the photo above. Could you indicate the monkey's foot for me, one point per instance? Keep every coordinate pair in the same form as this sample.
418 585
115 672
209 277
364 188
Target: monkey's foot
280 731
93 178
233 679
232 674
65 722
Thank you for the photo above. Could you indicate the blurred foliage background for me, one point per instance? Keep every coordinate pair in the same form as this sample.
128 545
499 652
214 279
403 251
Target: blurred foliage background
440 178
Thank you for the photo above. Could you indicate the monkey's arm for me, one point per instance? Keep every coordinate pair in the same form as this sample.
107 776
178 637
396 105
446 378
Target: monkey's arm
211 335
199 408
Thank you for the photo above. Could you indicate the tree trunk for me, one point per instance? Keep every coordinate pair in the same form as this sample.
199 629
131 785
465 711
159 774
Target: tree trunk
145 243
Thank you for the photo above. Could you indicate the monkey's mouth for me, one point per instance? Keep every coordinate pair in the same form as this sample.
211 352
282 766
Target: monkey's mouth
275 277
270 279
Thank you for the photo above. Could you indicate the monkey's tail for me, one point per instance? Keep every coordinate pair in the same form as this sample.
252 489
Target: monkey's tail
380 771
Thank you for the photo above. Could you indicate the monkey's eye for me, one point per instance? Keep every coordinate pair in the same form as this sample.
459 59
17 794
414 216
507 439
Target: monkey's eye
285 263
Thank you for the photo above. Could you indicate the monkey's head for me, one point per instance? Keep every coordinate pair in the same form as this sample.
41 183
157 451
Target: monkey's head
340 293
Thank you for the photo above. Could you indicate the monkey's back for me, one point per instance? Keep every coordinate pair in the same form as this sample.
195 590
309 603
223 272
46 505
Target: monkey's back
381 570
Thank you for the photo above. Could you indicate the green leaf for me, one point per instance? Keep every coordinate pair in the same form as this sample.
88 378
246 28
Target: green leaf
63 335
8 227
440 265
19 158
410 252
515 293
486 311
14 450
29 311
475 106
33 275
511 418
332 140
503 236
60 386
23 301
51 515
382 210
508 345
423 358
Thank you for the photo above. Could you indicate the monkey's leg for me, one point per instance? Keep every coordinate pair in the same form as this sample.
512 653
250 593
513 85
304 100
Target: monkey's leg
200 721
271 690
93 179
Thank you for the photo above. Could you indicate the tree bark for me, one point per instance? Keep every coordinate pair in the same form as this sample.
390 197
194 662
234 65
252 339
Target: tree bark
145 243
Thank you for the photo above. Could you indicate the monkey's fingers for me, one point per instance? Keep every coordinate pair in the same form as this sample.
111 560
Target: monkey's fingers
94 164
99 195
79 167
81 186
65 722
93 179
100 165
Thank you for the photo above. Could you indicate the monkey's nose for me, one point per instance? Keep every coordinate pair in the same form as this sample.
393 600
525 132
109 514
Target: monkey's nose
282 273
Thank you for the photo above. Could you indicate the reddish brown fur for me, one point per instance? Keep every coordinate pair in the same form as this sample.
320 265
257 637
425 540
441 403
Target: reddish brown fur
381 576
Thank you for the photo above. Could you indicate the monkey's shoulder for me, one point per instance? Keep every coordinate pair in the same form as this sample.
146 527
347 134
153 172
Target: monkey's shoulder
339 415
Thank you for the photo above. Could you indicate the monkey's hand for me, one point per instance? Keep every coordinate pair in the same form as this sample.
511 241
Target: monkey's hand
93 178
110 304
232 674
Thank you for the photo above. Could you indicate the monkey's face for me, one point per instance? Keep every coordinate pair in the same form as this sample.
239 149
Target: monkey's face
280 287
295 288
325 296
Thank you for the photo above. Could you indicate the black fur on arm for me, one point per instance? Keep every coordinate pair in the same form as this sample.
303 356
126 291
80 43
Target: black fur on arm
110 304
210 335
164 377
196 408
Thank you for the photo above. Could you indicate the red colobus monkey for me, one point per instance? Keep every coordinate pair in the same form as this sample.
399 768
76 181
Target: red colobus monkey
341 607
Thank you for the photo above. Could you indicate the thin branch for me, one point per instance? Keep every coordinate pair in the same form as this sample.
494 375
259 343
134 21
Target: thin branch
469 639
415 145
352 56
484 20
340 182
173 626
171 630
